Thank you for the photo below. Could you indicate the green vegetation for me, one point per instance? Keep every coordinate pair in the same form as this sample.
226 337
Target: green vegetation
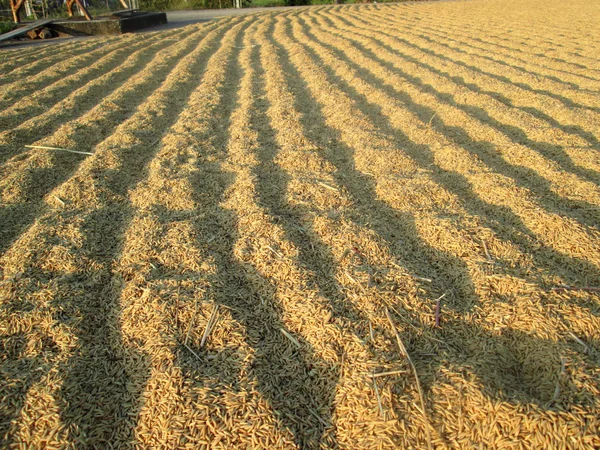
5 27
267 3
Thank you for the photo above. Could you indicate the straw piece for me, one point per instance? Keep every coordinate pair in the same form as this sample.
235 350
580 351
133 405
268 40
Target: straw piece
438 310
291 338
320 183
187 334
586 348
431 120
378 397
176 312
416 277
58 149
192 351
404 352
210 325
318 417
388 374
563 362
565 287
59 199
353 280
487 253
275 251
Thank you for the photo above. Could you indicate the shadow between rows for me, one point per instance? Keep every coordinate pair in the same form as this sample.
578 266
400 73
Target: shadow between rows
32 109
502 220
79 106
99 399
13 364
554 152
16 218
38 58
41 88
437 32
534 112
486 152
293 380
498 360
516 67
314 255
564 100
96 401
537 53
569 129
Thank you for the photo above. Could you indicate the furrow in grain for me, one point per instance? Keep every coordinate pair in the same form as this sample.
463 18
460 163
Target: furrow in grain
548 33
19 57
349 148
522 210
295 185
540 117
540 120
167 255
23 87
530 57
560 93
451 264
477 118
80 241
35 59
38 103
27 181
75 105
547 38
291 176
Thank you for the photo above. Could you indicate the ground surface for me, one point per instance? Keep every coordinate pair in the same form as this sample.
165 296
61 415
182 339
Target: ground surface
179 17
280 180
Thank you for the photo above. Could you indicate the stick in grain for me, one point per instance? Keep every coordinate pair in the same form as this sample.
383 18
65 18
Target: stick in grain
192 351
210 325
561 374
389 373
586 348
58 149
318 417
431 120
403 351
487 253
378 397
438 310
326 186
291 338
565 287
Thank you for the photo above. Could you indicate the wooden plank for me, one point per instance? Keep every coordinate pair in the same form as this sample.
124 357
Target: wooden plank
25 29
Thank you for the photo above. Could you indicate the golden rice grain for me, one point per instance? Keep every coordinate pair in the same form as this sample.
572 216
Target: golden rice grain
260 190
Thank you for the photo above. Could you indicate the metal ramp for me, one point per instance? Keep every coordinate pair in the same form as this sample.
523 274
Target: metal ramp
24 29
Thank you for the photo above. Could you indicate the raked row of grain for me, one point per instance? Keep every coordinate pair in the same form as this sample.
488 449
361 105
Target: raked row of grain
264 191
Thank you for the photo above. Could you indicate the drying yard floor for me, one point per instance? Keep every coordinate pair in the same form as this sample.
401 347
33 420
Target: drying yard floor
263 188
